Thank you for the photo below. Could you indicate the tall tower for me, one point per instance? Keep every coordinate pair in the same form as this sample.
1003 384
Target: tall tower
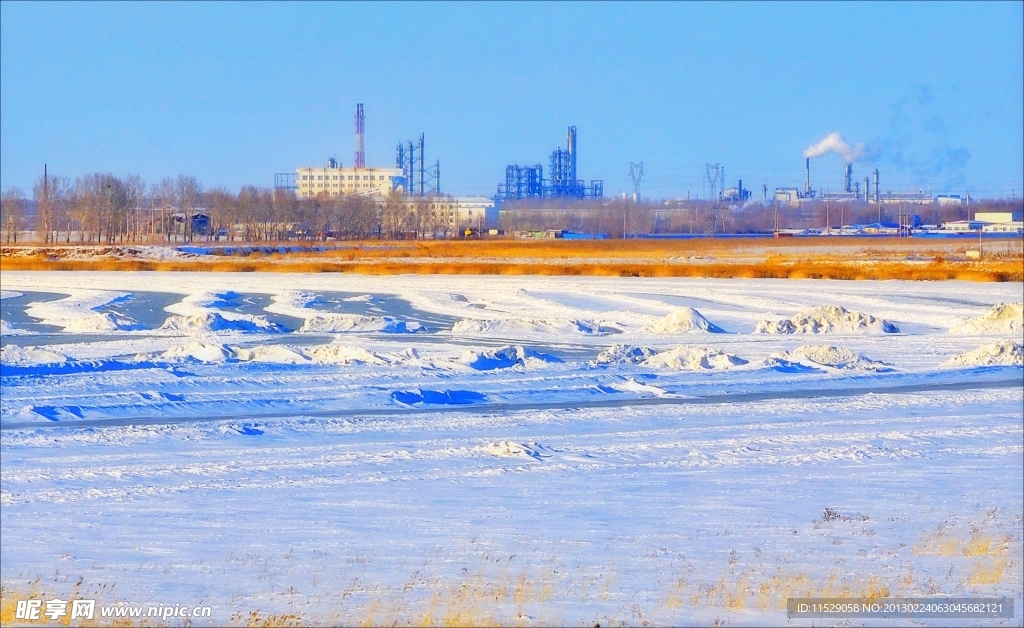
360 154
572 156
848 182
807 179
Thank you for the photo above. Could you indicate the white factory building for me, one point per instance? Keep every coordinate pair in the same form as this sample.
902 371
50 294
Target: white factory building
335 181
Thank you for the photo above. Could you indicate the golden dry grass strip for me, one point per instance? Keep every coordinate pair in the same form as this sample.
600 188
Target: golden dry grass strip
988 271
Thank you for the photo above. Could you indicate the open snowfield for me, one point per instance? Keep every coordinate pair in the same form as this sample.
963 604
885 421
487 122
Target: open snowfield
515 450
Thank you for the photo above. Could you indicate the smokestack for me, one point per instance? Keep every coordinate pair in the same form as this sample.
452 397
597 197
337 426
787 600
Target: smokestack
572 156
739 186
422 170
360 154
878 196
807 180
867 189
848 186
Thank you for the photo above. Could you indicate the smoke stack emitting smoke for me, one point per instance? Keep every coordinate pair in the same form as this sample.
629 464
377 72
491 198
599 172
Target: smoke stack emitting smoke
834 143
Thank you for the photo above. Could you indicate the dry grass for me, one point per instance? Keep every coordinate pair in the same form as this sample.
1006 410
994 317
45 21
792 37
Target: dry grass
775 269
805 258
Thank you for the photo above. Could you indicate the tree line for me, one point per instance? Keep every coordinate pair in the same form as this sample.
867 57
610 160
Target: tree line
102 208
105 209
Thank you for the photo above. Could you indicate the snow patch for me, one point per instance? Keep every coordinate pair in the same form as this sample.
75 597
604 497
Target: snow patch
683 320
343 354
695 359
1003 318
830 357
342 323
102 322
511 449
504 357
14 355
827 319
9 294
277 354
624 354
214 321
523 327
200 351
1006 353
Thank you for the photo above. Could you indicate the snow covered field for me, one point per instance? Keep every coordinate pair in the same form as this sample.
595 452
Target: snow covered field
535 450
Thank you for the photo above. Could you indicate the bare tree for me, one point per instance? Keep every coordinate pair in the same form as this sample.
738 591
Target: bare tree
188 189
12 213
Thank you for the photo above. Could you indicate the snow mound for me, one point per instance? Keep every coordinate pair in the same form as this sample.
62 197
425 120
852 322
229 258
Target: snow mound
1003 318
1006 353
213 321
827 319
200 351
524 327
342 354
830 357
277 354
16 356
101 322
10 294
624 354
510 449
682 320
695 359
504 357
341 323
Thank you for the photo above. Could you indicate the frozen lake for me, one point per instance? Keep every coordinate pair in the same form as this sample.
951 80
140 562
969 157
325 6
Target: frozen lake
515 450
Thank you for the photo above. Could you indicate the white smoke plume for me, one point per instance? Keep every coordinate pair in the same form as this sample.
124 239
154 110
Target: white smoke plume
834 143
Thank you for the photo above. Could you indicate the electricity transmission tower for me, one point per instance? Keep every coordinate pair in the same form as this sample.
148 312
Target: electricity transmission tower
636 173
713 178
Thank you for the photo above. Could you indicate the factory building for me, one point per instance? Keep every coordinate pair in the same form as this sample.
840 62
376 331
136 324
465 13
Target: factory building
333 180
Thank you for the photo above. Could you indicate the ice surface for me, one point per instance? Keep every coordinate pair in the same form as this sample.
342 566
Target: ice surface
682 320
1007 353
827 319
1002 319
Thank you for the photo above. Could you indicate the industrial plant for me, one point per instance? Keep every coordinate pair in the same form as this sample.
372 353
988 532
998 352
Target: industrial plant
529 182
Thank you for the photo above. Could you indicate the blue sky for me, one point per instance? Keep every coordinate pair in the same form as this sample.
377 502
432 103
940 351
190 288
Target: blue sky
235 92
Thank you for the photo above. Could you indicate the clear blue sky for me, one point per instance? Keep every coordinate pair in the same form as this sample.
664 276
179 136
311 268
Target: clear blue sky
235 92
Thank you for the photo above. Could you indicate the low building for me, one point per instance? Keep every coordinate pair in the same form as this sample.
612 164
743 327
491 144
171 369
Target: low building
949 199
996 217
1013 227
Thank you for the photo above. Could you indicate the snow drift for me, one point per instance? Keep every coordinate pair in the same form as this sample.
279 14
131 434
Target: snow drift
344 354
342 323
504 357
102 322
683 320
1003 318
13 355
526 327
687 358
827 319
624 354
214 321
1006 353
830 357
